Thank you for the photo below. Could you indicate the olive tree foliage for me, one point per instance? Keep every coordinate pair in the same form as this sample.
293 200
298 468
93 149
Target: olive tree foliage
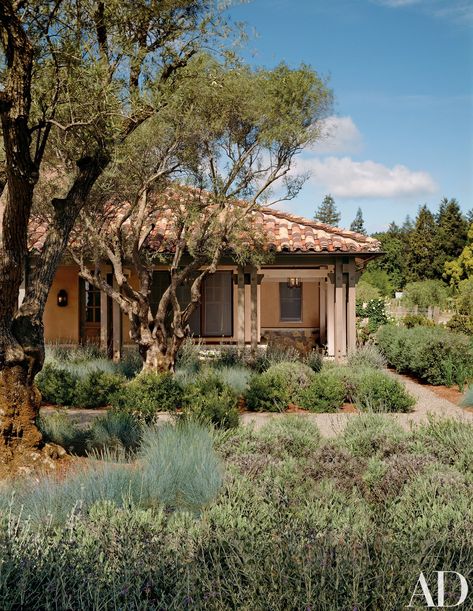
226 142
77 79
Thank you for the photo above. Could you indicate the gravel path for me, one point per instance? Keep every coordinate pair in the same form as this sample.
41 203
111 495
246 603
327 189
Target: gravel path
330 425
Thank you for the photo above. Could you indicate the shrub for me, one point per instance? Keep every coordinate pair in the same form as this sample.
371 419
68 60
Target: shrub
148 394
294 374
366 292
435 355
326 392
235 377
367 355
380 280
267 393
97 388
371 316
131 363
461 323
211 400
292 434
376 391
188 356
181 467
274 354
314 360
417 320
372 434
56 385
114 431
229 356
62 429
426 293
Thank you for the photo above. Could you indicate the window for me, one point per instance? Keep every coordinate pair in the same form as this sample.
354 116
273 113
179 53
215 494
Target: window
290 303
92 303
218 311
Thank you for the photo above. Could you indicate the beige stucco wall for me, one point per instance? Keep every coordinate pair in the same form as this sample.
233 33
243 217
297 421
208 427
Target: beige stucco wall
62 324
270 308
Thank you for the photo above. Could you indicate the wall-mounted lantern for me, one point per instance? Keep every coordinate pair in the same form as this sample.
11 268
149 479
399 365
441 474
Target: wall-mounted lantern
62 298
293 283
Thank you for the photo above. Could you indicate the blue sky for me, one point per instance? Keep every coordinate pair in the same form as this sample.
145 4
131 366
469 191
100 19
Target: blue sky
401 134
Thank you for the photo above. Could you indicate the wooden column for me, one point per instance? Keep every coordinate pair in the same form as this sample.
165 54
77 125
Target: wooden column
340 311
254 308
104 322
116 330
351 308
241 309
323 310
330 292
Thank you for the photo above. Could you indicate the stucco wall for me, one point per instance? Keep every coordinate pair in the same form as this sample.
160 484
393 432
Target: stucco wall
62 324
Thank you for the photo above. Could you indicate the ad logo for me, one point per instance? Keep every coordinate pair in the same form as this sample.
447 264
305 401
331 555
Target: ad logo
422 594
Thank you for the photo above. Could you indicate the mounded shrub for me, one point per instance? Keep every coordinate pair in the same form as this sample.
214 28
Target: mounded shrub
96 389
57 386
280 385
294 434
367 355
148 394
376 391
435 355
267 393
417 320
372 434
314 360
325 393
209 399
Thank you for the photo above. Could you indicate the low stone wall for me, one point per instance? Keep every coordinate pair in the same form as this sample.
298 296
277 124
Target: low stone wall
303 340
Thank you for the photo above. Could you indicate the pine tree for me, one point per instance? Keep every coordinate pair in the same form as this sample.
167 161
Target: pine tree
452 228
327 212
358 223
421 242
393 244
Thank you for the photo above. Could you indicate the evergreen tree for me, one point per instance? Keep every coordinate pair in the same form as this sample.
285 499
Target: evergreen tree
358 223
421 242
393 244
327 212
452 228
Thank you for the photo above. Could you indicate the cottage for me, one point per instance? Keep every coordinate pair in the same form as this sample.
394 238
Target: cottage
305 296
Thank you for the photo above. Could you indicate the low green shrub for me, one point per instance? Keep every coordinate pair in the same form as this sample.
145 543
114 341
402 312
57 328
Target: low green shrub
435 355
417 320
376 391
426 293
114 431
57 386
274 354
96 389
267 393
294 435
372 434
325 393
209 399
148 394
61 429
280 385
188 356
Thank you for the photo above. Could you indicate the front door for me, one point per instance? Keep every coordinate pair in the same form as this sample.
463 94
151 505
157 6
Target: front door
89 313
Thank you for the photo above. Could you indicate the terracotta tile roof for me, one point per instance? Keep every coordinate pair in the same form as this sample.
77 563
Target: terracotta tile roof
284 232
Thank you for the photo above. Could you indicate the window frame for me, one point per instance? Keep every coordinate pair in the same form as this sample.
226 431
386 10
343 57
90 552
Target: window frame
281 299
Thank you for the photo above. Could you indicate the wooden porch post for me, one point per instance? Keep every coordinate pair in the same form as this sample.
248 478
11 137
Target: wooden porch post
104 322
340 314
330 292
116 329
323 310
241 309
254 308
351 308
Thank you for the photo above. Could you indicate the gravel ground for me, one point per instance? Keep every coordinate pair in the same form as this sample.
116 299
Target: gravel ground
330 425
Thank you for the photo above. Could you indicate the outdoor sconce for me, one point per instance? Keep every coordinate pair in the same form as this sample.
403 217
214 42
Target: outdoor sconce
293 283
62 298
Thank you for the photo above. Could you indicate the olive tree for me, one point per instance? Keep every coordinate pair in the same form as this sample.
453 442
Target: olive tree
226 143
78 78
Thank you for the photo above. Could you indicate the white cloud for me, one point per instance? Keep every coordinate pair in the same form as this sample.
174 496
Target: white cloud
396 3
460 11
343 177
338 135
